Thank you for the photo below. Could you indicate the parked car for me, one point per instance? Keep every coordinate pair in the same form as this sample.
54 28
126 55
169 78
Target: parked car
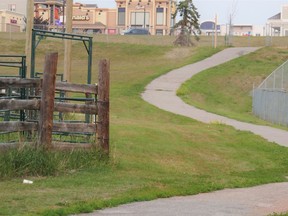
136 31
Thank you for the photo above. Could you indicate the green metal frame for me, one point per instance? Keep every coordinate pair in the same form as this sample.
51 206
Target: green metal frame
21 64
87 41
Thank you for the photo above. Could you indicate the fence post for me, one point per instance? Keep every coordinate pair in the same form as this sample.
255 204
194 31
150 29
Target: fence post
102 132
47 101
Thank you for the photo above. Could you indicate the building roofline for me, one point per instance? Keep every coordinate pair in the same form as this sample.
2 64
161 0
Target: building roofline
275 17
11 12
242 25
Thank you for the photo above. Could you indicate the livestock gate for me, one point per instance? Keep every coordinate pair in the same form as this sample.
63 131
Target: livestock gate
39 35
270 98
80 118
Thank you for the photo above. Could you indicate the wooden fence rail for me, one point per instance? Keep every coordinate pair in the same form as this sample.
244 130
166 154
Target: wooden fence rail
72 87
17 104
18 126
19 83
34 104
45 104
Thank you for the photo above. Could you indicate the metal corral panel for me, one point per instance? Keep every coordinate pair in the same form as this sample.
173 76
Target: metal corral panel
271 105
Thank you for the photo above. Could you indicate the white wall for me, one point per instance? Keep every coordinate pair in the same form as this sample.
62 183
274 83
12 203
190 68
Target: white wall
256 29
259 30
20 5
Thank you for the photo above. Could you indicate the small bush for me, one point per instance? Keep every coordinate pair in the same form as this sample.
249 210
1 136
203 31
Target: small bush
29 161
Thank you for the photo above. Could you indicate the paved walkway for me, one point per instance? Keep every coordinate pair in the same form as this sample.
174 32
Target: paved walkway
256 201
162 93
260 200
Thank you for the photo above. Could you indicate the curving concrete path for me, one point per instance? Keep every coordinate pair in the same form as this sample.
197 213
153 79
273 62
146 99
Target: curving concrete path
254 201
161 92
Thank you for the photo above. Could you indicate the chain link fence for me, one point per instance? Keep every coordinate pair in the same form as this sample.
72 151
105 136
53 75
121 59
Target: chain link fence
270 99
278 80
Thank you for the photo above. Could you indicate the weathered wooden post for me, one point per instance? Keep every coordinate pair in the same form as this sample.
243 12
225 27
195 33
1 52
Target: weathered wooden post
47 101
102 132
29 26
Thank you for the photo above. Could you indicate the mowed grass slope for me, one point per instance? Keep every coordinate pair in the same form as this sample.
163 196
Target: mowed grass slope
153 153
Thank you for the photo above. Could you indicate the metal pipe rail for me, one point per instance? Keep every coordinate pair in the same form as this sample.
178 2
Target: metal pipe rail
18 63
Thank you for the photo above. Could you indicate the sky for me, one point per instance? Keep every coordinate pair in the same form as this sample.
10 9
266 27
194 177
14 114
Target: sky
242 11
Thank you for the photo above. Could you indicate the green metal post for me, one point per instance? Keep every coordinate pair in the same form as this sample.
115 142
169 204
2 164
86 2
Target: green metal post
24 67
22 90
33 50
89 78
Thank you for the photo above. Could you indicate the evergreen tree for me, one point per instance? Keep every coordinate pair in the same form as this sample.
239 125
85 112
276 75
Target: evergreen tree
40 23
188 23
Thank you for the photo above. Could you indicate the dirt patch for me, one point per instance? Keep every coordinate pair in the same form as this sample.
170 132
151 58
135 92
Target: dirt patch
178 53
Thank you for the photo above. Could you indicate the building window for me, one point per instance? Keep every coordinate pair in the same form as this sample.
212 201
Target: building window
12 7
140 19
159 16
121 16
159 31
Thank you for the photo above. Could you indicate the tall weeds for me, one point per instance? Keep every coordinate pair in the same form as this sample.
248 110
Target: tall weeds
29 161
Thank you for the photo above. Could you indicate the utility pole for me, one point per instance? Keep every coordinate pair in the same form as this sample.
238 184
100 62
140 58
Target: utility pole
68 43
215 34
144 16
29 26
230 31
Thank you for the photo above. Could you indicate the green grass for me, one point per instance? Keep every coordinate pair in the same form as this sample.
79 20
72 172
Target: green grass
28 161
227 88
153 153
280 214
204 40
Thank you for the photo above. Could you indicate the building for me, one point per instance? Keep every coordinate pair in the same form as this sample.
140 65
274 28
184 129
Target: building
49 12
155 15
208 28
18 6
91 19
86 18
277 25
11 21
11 16
242 30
